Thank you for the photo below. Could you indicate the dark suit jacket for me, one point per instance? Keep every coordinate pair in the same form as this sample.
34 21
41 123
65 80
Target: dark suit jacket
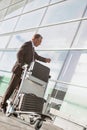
26 55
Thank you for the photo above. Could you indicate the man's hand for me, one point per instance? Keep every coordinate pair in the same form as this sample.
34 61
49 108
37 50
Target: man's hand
48 60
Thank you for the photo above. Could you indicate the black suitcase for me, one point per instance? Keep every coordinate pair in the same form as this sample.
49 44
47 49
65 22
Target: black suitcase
41 72
32 103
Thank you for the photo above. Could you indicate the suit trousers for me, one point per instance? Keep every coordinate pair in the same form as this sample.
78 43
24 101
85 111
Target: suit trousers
14 82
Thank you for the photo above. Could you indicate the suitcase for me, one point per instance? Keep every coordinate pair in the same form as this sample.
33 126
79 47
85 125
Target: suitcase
41 72
31 102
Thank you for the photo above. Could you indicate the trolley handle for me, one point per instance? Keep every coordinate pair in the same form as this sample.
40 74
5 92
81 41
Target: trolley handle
25 66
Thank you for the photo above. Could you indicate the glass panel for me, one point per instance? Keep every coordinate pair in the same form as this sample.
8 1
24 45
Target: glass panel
18 39
80 71
3 41
58 36
4 3
5 73
76 104
2 14
4 81
30 20
14 10
71 9
7 61
33 4
8 25
75 68
81 39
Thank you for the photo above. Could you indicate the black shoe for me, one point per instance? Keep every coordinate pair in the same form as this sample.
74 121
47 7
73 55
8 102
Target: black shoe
15 114
4 110
1 105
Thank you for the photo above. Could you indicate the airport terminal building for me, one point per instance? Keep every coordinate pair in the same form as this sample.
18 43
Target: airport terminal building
62 23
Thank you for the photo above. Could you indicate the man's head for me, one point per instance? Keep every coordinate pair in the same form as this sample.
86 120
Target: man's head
37 39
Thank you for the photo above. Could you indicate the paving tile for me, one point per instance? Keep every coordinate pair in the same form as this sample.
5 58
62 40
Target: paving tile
13 123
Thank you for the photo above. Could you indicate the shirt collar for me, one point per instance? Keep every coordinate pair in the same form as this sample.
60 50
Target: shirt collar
32 44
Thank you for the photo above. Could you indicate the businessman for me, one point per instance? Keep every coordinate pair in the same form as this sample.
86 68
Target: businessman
25 55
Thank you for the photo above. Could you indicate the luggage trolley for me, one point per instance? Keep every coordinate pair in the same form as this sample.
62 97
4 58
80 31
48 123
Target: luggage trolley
29 99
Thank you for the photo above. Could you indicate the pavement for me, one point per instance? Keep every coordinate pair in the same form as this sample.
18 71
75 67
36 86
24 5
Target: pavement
13 123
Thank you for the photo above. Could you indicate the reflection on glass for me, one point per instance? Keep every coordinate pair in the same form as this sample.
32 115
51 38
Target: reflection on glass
3 73
8 25
81 39
3 41
30 20
18 39
75 103
14 10
68 10
58 36
80 70
33 4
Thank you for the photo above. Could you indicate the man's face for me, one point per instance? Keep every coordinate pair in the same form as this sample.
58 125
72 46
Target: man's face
37 41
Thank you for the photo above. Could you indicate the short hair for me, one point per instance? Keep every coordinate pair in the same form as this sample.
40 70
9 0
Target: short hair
37 36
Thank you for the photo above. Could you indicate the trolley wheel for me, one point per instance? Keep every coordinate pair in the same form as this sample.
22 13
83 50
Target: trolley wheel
32 122
8 114
38 124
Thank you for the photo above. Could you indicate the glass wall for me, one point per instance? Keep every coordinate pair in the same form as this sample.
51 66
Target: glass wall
63 27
